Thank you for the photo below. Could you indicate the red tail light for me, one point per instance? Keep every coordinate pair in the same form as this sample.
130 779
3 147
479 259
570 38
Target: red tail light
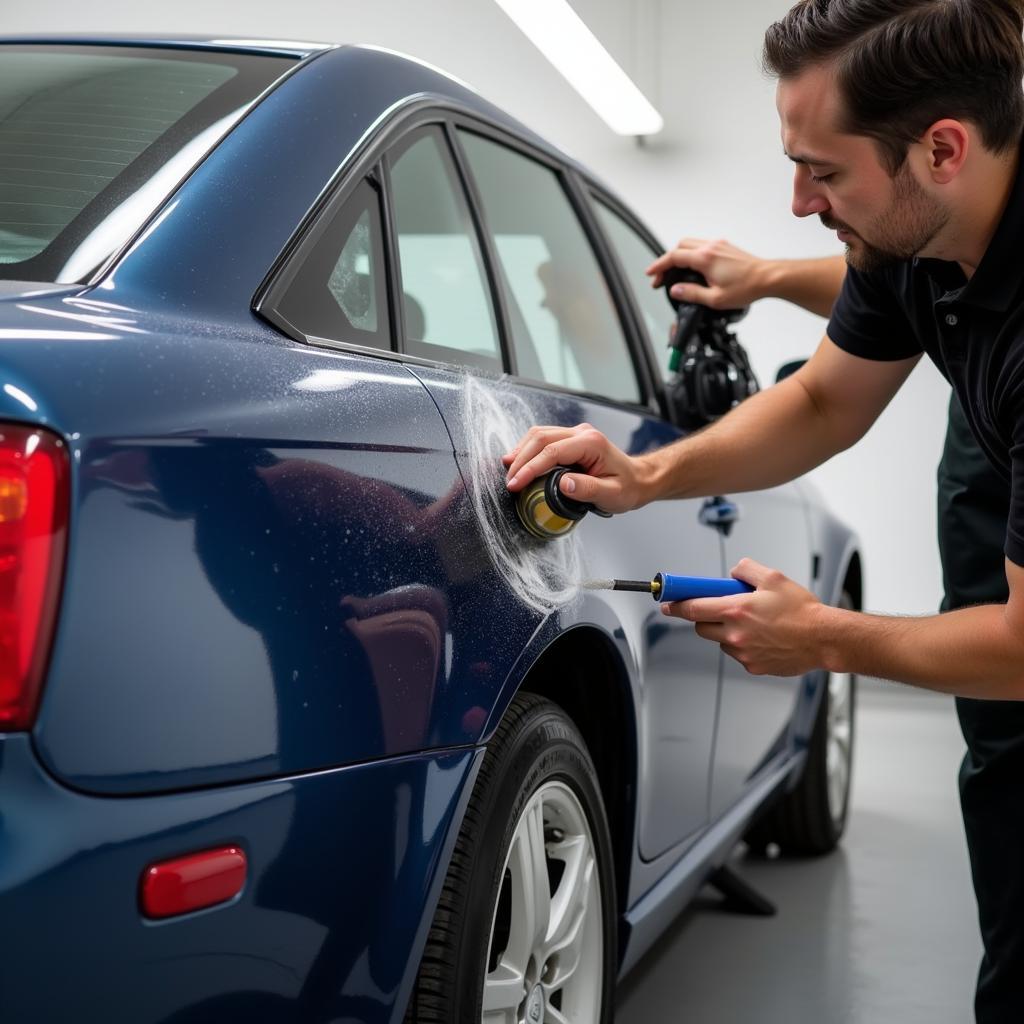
34 501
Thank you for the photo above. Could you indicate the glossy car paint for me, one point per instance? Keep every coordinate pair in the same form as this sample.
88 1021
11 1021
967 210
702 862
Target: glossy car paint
340 864
280 628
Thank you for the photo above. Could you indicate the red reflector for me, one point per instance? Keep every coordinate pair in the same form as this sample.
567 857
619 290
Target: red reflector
34 500
190 883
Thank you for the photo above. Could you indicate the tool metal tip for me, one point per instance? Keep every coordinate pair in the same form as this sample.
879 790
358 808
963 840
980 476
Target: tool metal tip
598 584
637 586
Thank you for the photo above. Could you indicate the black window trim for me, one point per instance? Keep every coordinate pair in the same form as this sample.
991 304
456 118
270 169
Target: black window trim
494 278
391 255
369 161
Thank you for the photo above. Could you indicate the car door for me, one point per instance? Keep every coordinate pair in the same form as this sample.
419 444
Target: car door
769 526
571 361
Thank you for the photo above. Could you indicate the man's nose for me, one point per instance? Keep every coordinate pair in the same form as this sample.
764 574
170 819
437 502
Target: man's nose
808 198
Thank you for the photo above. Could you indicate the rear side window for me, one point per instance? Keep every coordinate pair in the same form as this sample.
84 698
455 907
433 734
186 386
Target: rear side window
338 292
565 329
635 254
445 298
84 131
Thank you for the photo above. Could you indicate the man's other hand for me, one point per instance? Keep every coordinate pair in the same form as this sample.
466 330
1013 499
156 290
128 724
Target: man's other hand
734 276
611 479
773 631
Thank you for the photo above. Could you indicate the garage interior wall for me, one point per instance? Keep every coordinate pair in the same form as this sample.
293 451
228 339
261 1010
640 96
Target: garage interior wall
717 170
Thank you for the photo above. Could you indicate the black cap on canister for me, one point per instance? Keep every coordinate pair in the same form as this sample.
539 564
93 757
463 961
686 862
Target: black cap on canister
545 511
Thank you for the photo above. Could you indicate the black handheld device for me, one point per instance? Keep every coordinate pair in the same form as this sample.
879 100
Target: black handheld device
710 370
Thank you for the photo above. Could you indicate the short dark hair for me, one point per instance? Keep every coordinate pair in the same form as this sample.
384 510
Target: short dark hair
902 65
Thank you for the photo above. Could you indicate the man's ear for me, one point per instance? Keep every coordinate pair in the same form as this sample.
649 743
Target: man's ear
945 146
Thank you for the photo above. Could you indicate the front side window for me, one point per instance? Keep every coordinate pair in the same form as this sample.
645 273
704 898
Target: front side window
565 329
445 299
93 139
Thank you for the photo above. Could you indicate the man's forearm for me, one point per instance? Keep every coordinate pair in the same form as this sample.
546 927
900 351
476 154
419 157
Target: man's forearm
812 284
973 652
772 437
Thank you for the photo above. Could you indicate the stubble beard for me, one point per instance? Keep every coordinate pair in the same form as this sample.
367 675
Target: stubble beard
912 221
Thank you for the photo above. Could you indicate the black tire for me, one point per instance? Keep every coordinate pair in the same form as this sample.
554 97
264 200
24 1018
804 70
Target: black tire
806 821
535 746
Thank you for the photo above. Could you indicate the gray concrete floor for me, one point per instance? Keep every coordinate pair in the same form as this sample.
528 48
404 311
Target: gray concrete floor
882 930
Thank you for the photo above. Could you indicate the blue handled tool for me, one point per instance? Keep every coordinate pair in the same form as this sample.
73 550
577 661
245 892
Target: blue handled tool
666 587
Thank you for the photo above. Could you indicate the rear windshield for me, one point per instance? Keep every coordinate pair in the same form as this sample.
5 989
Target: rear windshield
94 138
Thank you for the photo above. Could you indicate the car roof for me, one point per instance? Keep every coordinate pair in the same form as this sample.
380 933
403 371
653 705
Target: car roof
266 47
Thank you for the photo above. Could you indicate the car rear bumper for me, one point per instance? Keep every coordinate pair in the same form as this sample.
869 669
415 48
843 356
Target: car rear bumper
344 867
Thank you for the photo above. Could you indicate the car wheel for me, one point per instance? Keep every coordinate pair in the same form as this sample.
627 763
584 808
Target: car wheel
811 819
525 928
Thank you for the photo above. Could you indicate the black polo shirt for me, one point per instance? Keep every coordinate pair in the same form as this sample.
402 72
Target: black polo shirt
973 331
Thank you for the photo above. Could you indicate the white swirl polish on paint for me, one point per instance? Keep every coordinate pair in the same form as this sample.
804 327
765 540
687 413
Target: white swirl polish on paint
544 575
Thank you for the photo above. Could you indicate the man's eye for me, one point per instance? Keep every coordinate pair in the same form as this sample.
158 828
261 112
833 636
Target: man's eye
818 181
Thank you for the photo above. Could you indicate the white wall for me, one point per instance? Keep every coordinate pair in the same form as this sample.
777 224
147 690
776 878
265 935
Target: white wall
716 170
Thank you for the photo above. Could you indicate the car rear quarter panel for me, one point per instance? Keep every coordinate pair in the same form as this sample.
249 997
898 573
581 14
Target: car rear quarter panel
270 567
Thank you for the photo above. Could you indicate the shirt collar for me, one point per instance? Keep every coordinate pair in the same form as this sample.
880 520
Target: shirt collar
945 273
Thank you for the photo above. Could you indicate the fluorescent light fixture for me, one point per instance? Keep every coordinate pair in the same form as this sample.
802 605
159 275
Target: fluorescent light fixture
561 35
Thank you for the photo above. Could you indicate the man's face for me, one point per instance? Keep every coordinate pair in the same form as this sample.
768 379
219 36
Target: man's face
841 178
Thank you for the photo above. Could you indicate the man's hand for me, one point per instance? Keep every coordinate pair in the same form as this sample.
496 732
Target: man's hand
773 631
612 480
735 277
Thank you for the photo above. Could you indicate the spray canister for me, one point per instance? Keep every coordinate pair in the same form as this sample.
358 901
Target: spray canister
546 512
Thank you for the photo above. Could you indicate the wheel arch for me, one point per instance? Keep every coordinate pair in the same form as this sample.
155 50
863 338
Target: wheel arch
837 552
583 673
853 580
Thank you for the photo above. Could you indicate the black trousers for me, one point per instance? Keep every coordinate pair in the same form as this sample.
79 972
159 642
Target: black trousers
972 506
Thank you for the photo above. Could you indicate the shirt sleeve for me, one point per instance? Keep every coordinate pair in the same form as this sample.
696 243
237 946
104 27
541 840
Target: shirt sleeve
868 319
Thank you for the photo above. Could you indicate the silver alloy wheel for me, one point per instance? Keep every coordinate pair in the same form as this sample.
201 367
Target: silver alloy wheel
839 749
545 952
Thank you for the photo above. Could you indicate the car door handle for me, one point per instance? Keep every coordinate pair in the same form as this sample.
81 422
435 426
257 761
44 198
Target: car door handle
720 514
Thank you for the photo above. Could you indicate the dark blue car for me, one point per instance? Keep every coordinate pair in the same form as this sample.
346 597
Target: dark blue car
297 721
